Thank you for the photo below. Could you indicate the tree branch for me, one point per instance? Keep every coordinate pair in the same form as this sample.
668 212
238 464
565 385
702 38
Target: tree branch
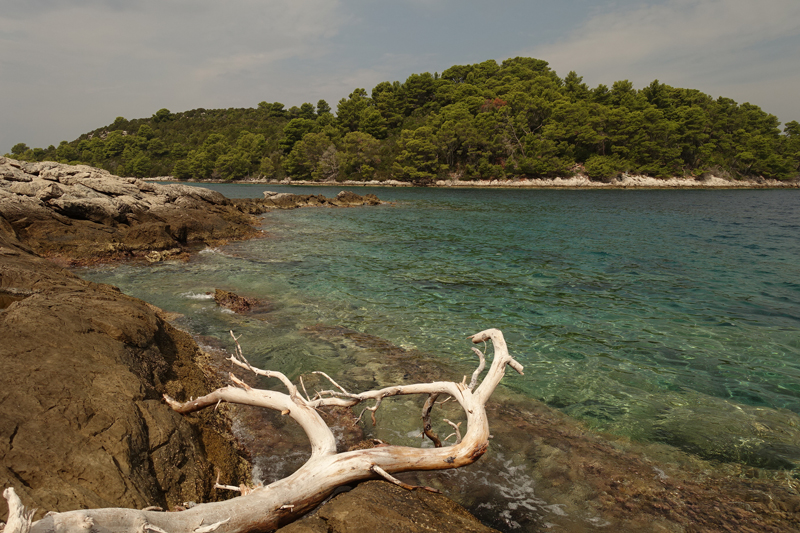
269 507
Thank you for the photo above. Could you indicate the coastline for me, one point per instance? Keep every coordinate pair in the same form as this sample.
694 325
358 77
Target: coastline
634 492
579 182
88 427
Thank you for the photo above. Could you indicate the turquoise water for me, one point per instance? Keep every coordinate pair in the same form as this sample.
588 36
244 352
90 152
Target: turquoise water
635 311
662 316
652 290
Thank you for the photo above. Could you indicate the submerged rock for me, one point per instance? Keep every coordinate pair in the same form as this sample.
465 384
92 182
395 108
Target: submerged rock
725 431
544 470
380 506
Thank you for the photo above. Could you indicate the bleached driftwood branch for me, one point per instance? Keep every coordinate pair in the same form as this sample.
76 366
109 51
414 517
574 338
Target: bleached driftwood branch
269 507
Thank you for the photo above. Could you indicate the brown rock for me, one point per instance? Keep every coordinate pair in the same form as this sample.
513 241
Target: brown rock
82 423
380 507
234 302
274 200
241 304
347 198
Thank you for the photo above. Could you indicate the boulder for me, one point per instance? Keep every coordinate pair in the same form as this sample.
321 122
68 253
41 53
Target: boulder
722 430
350 198
233 302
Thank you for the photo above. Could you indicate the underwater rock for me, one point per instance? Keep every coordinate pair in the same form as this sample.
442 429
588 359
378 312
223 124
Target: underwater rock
725 431
234 302
380 506
240 304
545 470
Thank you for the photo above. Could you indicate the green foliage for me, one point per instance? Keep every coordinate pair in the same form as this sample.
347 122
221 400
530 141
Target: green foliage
115 144
307 111
234 164
273 110
605 167
372 123
418 160
295 130
66 153
162 115
145 132
323 108
361 155
313 157
182 170
19 149
139 164
349 111
487 120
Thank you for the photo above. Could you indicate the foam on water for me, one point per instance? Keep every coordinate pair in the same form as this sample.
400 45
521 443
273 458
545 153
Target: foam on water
197 295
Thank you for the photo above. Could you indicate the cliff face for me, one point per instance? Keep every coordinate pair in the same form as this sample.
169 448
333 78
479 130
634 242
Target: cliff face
82 423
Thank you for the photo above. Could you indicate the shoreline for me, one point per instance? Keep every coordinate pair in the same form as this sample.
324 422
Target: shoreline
604 470
572 183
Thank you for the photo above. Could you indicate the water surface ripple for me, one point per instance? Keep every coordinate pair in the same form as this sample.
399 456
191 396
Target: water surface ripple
622 305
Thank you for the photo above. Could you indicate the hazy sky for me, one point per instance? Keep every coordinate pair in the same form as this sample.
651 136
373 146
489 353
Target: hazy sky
69 66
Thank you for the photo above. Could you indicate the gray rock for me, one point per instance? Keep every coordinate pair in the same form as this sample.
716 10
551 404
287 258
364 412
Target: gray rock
107 185
13 173
730 432
49 191
24 188
100 210
57 208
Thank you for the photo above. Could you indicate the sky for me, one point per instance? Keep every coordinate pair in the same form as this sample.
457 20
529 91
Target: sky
70 66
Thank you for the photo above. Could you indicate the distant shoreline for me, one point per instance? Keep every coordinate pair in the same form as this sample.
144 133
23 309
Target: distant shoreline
576 182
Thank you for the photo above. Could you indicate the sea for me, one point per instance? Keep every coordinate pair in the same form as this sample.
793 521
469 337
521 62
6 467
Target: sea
652 316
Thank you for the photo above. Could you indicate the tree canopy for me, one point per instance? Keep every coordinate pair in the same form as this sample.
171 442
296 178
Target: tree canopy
515 119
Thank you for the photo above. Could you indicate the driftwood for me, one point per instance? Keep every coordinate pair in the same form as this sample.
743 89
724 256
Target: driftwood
268 507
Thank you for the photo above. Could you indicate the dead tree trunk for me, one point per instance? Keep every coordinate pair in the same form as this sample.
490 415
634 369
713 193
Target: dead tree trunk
269 507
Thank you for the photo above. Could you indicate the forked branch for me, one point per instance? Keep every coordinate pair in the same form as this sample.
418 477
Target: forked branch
272 506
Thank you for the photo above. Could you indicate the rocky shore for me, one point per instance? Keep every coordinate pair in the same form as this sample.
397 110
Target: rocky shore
574 182
82 421
626 182
82 214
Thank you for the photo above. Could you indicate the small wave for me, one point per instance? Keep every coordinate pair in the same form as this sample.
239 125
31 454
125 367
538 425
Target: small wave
197 295
210 250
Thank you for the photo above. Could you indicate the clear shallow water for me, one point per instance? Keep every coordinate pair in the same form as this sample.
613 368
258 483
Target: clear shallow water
626 307
652 290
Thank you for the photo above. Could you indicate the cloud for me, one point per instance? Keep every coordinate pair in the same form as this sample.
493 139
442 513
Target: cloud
75 65
204 35
735 48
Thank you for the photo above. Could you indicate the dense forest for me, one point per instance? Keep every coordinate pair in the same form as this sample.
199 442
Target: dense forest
512 120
